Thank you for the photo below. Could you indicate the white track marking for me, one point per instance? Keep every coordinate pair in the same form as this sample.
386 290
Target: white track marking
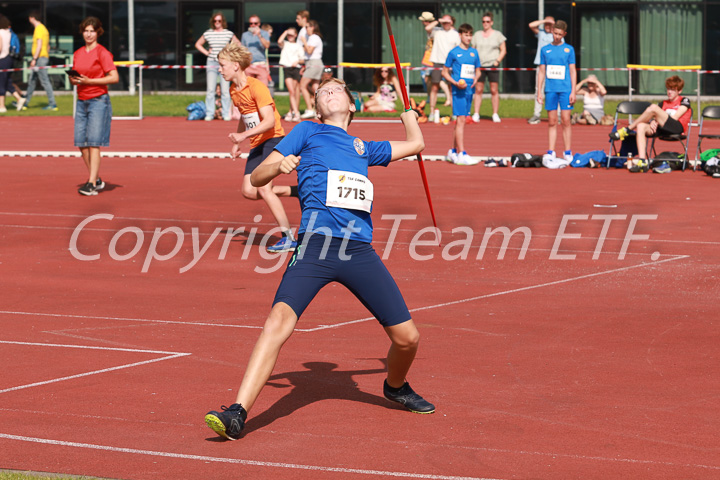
365 319
240 461
515 290
169 356
345 470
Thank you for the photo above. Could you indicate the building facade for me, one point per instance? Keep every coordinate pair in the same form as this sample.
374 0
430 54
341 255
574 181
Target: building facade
606 34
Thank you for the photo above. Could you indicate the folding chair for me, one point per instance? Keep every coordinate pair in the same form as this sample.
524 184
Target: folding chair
680 137
713 112
624 108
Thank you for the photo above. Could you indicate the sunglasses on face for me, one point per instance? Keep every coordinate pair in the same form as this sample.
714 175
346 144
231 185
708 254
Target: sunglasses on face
254 23
218 21
487 21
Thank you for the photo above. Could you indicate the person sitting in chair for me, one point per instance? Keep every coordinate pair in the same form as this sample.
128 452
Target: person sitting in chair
669 117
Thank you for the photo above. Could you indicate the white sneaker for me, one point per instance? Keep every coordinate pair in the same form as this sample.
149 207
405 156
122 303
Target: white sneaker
288 117
21 103
3 110
476 117
436 116
568 157
308 114
496 118
465 159
451 156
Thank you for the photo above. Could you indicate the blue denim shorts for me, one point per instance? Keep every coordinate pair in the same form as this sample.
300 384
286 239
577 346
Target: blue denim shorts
92 122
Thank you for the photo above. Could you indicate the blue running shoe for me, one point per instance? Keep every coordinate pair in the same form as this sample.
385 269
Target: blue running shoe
228 423
664 167
284 245
407 396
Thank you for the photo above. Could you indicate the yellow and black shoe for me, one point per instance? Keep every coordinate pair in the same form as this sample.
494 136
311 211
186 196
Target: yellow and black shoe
619 134
228 423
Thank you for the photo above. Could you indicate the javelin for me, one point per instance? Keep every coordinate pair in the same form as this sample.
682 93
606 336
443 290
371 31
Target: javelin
406 101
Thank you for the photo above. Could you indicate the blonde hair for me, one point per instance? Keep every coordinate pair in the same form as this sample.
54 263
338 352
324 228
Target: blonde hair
236 53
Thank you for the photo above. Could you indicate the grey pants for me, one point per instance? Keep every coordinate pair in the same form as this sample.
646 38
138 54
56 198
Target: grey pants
44 80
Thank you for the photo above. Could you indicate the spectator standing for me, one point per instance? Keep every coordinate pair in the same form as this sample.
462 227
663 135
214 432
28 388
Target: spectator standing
302 18
545 37
93 110
462 71
40 59
313 46
444 40
292 57
257 41
557 78
217 36
6 61
490 44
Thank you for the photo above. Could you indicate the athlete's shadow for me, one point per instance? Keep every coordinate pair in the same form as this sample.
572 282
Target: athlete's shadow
319 382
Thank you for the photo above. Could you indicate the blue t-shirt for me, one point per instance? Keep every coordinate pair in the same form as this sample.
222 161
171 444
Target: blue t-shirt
253 43
544 38
462 64
323 148
557 60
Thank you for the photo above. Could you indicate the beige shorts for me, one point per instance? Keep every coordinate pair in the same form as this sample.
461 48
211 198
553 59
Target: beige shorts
313 69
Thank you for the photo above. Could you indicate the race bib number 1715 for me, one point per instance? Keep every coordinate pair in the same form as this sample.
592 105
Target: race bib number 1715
349 190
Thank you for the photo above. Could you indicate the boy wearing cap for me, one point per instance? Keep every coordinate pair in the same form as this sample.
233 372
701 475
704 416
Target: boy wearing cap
462 71
557 79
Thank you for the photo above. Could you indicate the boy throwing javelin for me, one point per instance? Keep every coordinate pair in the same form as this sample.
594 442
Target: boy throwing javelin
462 71
260 123
335 234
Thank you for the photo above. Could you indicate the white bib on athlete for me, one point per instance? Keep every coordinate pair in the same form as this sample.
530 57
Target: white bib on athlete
251 120
467 71
349 190
556 72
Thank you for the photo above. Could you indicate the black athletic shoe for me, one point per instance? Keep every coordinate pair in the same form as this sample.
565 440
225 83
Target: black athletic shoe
228 423
87 189
99 184
407 396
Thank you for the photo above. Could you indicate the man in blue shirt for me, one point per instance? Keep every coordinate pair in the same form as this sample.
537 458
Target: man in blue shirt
544 37
334 246
557 78
257 41
462 71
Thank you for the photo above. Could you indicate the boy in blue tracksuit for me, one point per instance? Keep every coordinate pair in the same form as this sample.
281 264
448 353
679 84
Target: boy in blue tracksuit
462 71
558 74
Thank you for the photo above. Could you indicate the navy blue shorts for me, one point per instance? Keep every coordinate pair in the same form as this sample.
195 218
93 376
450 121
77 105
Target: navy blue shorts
260 153
363 274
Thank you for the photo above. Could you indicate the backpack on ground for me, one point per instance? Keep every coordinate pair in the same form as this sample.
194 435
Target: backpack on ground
526 160
674 159
15 46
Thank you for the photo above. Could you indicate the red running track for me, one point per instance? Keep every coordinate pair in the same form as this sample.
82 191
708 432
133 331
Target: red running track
541 366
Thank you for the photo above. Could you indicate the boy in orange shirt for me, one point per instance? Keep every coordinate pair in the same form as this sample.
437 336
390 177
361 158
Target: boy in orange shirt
260 123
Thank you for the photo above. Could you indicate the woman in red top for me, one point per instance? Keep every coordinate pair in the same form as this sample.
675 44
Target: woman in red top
95 70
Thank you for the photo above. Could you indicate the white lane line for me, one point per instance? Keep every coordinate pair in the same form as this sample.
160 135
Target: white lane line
240 461
515 290
168 356
365 319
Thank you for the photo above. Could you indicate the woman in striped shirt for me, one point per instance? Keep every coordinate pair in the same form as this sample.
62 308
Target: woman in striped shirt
216 38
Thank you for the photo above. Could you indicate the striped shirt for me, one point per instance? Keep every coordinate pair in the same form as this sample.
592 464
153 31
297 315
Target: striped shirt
217 40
